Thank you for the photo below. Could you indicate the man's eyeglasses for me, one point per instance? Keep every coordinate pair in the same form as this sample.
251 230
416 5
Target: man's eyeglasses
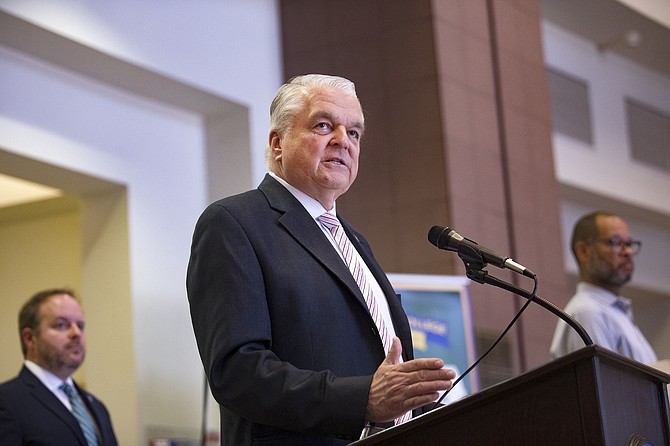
618 244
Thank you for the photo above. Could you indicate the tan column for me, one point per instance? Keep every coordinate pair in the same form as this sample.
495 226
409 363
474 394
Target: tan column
459 134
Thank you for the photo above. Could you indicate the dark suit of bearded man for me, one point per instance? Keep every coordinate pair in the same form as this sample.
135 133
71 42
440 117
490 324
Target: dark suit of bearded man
285 336
30 414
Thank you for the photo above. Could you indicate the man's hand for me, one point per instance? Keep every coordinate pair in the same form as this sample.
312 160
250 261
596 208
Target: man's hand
400 387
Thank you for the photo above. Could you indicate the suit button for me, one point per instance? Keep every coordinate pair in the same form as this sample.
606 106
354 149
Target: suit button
373 330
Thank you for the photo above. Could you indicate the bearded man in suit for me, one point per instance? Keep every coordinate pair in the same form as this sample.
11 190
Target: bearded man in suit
37 406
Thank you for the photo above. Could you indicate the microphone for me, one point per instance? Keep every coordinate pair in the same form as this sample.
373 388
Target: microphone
447 238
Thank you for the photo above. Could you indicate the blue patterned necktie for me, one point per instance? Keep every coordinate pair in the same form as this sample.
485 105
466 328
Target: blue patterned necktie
81 414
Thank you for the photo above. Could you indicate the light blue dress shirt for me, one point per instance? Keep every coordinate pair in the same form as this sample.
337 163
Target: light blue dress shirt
608 319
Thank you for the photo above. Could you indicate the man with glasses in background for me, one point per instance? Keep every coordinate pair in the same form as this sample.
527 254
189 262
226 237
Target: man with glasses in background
604 250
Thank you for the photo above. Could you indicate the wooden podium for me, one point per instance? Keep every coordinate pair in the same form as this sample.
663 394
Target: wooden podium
590 397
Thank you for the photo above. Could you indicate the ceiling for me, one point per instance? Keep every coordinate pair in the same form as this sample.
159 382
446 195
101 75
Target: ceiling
600 21
607 21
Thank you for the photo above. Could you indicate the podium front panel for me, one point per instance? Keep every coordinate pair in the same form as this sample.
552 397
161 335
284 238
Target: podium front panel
592 397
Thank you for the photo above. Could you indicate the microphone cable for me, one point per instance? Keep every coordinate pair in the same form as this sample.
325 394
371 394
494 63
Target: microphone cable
497 341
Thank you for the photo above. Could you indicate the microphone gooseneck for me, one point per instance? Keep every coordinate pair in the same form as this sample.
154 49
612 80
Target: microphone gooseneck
476 257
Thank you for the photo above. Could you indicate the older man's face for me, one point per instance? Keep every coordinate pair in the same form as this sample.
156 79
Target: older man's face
319 153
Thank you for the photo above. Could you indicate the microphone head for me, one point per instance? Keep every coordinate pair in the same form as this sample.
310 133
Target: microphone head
439 236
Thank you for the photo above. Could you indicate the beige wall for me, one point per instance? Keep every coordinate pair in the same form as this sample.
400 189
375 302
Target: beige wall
38 251
81 243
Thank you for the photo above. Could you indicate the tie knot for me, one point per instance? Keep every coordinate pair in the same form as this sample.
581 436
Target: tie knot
69 391
329 221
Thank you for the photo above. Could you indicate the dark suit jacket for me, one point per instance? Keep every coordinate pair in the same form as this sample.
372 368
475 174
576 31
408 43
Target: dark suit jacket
286 339
31 415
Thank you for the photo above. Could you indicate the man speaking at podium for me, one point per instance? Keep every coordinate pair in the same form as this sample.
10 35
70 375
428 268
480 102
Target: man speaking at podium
602 245
301 335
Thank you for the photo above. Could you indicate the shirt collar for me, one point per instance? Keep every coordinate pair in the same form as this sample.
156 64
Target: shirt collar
310 204
605 296
51 381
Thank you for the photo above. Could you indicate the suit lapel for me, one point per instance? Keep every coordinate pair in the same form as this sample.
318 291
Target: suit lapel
307 233
45 397
400 323
93 410
302 227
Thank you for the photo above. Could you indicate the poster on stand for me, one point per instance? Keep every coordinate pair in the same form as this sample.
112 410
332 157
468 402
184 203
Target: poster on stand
438 309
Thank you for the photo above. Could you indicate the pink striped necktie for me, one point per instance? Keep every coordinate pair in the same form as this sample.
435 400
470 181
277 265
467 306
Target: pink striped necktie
353 262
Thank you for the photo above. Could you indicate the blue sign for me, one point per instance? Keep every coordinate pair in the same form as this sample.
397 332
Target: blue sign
441 328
